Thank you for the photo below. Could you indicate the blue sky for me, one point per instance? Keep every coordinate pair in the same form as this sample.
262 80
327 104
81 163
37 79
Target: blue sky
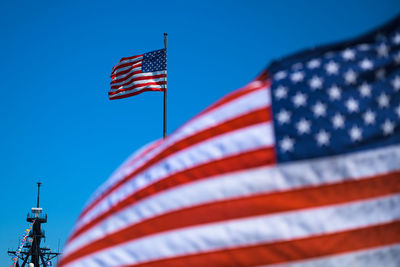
57 124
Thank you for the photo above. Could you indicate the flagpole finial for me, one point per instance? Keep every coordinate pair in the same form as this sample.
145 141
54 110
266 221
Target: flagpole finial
165 40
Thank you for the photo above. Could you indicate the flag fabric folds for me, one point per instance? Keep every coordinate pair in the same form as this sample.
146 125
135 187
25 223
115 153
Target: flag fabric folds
299 168
140 73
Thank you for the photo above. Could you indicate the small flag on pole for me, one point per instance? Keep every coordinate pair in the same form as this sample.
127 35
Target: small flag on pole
140 73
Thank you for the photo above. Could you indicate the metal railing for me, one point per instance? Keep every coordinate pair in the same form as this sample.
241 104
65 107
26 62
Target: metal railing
41 216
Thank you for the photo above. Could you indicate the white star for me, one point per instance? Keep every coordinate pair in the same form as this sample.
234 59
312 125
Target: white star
365 90
366 64
396 83
319 109
335 93
363 47
348 54
350 77
382 50
297 76
322 138
380 74
299 100
283 116
286 144
387 127
315 82
355 133
280 75
396 39
369 117
314 63
397 58
352 105
303 126
383 100
332 68
281 92
338 121
398 111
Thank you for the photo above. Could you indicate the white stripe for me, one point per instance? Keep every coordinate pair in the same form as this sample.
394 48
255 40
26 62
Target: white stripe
142 74
150 79
245 183
229 144
137 89
116 69
121 76
130 67
387 256
135 86
248 232
239 107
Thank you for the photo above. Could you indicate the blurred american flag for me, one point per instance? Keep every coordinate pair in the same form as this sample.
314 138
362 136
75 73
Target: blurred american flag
301 167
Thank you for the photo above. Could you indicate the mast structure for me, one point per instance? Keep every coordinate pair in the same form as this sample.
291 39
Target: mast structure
32 252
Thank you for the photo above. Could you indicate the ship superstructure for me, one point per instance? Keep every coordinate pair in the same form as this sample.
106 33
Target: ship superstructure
31 253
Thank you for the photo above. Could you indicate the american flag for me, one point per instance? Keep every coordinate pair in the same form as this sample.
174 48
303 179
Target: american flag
299 168
140 73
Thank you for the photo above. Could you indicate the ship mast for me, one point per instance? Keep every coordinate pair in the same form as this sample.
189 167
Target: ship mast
33 253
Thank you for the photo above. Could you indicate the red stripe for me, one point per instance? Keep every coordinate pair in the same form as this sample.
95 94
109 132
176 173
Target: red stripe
128 73
293 250
114 77
255 205
132 66
136 93
139 78
236 94
236 123
263 76
122 65
132 57
257 158
117 75
142 85
135 74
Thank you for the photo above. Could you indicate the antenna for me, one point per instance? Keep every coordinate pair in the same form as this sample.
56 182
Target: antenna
38 192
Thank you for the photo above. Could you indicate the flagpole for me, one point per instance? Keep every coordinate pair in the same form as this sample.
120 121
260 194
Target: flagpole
165 94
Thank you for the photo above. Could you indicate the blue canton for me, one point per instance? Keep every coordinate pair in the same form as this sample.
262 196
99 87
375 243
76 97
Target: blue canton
154 61
338 99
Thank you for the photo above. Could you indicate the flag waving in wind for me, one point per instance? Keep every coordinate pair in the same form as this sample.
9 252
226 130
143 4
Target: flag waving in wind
136 74
299 168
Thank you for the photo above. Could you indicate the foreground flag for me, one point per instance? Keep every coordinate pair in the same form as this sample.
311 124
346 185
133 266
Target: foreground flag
137 74
299 168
